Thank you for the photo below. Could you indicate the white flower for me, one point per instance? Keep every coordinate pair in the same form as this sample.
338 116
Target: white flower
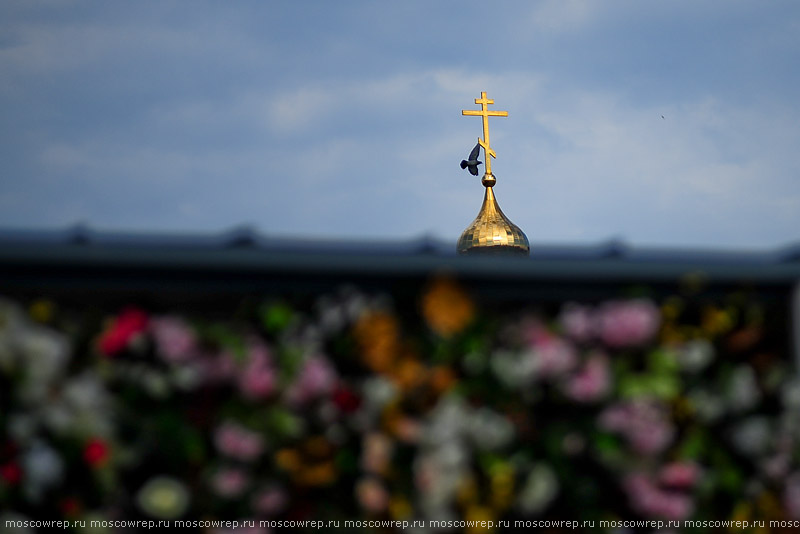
22 427
512 369
377 393
86 392
43 469
46 353
448 421
695 355
540 489
790 395
436 482
58 417
42 353
743 392
87 407
709 407
156 384
490 430
752 435
187 377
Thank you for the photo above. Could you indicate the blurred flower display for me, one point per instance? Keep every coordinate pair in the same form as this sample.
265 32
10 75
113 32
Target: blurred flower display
427 406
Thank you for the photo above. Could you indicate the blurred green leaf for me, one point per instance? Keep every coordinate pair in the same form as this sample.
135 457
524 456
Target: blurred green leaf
275 317
663 361
693 445
284 423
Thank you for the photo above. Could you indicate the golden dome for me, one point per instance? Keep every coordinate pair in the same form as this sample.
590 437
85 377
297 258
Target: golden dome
491 232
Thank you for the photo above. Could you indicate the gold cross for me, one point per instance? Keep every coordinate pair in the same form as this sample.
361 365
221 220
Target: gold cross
485 113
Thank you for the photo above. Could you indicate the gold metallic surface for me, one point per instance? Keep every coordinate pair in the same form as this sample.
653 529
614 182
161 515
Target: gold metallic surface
485 113
491 232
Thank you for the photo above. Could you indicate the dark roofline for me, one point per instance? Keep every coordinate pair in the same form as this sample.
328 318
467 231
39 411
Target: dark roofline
245 260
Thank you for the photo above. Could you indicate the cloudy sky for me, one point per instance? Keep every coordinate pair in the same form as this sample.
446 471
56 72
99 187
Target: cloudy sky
658 123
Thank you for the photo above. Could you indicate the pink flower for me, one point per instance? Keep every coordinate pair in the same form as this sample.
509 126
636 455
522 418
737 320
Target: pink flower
377 453
578 322
627 323
791 495
238 442
777 466
218 368
534 332
554 357
174 339
229 483
257 380
681 475
372 496
550 356
270 501
649 500
592 382
644 424
316 378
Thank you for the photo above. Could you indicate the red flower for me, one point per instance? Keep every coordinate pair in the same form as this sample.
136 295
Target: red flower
96 452
346 400
70 506
129 323
11 472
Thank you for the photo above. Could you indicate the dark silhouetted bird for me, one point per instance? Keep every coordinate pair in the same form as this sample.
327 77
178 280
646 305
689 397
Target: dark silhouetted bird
472 163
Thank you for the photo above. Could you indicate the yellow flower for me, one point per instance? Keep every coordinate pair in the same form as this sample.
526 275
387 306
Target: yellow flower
41 310
446 307
400 508
479 514
467 492
163 497
716 321
502 483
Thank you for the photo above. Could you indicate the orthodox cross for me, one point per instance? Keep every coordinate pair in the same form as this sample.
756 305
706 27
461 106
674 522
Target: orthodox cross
485 113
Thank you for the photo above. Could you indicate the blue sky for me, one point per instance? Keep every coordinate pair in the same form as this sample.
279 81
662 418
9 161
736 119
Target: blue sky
343 119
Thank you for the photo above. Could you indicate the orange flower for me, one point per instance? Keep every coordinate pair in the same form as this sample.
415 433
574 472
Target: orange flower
378 335
446 307
744 339
288 460
408 373
318 447
312 465
442 378
316 475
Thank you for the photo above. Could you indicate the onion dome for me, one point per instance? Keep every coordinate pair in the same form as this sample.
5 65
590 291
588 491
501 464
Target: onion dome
492 232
